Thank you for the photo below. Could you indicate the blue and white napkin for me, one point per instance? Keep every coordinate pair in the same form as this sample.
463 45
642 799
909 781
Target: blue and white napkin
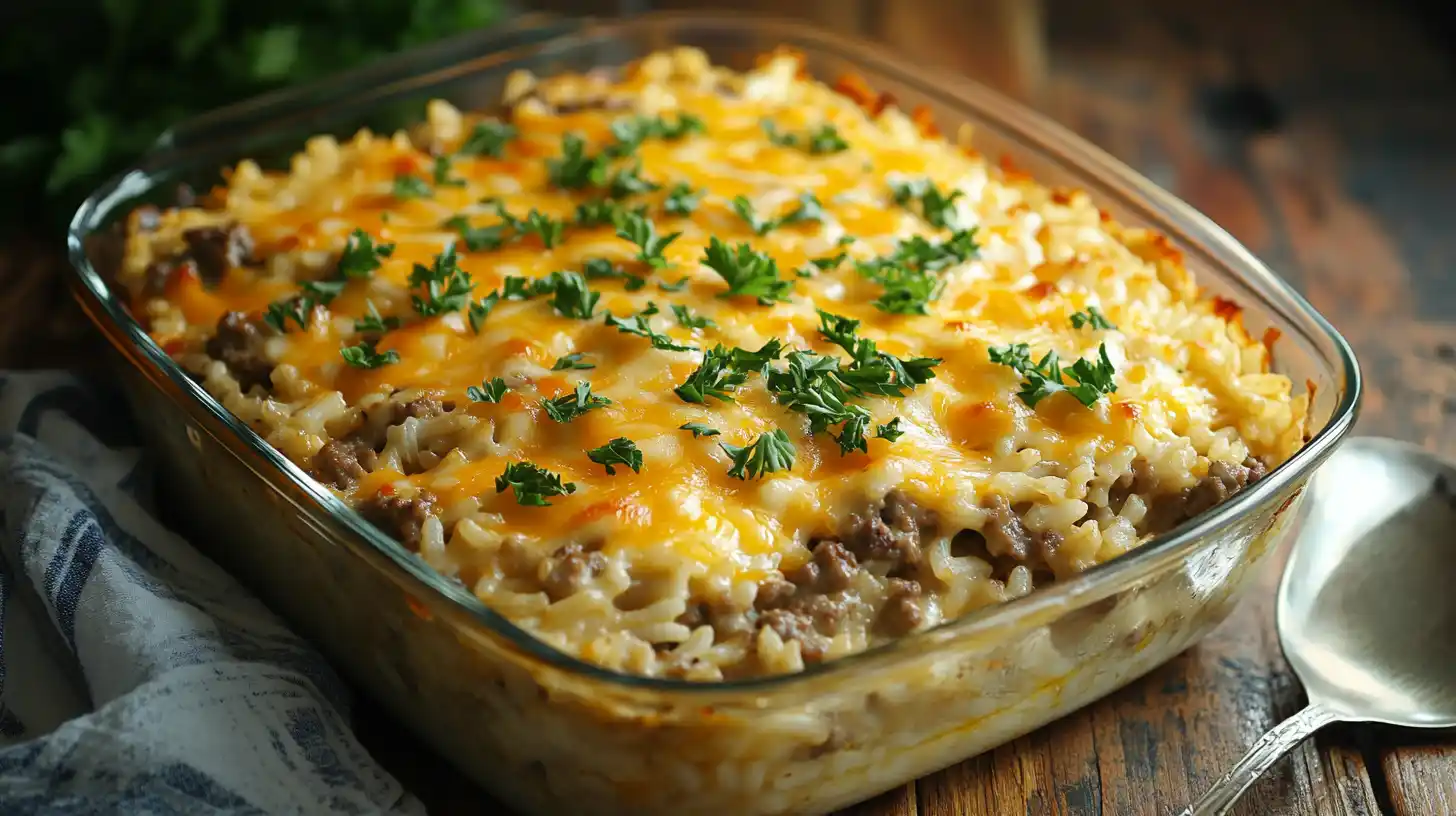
136 676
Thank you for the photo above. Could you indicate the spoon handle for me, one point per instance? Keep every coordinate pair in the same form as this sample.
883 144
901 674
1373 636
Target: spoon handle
1276 743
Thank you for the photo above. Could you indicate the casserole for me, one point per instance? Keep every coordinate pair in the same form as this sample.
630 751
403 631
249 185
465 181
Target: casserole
548 732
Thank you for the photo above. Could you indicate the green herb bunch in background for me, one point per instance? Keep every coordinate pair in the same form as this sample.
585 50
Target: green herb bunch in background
95 81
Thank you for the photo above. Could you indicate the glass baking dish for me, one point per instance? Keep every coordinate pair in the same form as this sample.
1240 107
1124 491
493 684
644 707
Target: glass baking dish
548 733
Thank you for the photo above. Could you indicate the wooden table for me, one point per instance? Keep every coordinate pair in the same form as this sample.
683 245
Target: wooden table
1324 137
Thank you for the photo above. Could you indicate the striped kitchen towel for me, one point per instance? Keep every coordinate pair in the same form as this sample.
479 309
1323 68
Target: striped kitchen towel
136 676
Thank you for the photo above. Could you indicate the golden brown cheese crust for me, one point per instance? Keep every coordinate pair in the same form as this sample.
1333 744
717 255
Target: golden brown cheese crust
682 568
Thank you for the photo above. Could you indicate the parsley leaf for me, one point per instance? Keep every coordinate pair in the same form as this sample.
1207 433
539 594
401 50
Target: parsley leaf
364 356
480 310
570 406
890 431
809 209
602 269
572 298
442 173
937 208
373 322
447 286
639 325
748 272
723 369
604 213
904 273
699 429
575 169
681 199
628 181
1090 380
407 186
619 451
549 229
688 320
361 256
532 484
571 362
674 287
489 138
641 231
819 141
489 391
477 239
632 131
771 452
296 308
873 371
1092 317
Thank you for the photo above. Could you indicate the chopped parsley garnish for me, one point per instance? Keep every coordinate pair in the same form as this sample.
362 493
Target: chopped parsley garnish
1092 317
604 213
442 170
639 325
688 320
547 228
723 369
809 209
570 406
747 272
674 287
446 286
641 231
532 484
632 131
407 186
373 322
905 273
890 431
937 208
699 429
361 256
478 239
299 307
575 169
573 298
603 269
873 371
480 310
809 386
628 181
572 362
489 391
364 356
681 199
488 139
1090 380
619 451
819 141
771 452
296 308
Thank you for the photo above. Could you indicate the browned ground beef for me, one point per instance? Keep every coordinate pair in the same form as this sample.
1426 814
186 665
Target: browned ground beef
901 612
239 343
400 517
1222 482
890 534
831 568
569 567
343 462
419 408
1007 537
216 249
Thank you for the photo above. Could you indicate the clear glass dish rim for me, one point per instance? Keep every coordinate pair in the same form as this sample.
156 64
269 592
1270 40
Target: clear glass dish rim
1160 210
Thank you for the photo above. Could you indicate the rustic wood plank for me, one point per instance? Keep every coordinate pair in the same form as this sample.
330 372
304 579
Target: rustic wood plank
1421 779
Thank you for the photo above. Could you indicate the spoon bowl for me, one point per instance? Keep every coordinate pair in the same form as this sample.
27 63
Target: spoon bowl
1366 611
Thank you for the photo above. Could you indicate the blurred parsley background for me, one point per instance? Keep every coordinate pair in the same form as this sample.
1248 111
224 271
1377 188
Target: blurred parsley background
95 82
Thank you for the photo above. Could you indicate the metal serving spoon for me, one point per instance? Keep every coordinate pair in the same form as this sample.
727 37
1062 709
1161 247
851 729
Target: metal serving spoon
1367 606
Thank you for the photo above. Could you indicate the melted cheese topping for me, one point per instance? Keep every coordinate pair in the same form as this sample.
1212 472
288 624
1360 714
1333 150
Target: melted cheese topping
1191 386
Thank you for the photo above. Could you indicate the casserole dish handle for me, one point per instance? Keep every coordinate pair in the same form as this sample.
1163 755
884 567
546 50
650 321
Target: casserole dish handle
378 78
